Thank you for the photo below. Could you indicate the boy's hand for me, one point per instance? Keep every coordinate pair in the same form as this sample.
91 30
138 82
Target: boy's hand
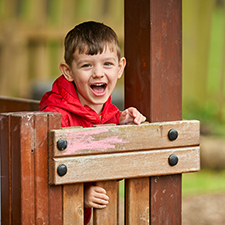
95 197
131 115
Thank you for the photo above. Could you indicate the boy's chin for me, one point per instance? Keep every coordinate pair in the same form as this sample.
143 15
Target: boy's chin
101 101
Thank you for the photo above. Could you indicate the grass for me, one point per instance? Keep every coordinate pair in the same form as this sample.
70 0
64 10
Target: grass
202 182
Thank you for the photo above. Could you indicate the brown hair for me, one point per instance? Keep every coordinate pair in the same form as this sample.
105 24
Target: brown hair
90 38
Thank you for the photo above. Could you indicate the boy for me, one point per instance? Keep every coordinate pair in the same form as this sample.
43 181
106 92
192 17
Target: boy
83 93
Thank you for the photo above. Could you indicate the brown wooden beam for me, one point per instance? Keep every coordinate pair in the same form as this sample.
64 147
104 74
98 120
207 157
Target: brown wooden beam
9 104
153 84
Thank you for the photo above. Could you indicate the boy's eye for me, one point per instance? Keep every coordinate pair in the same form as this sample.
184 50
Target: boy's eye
107 63
86 65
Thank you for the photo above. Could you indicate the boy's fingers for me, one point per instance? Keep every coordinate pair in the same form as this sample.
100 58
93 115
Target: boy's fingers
99 189
139 119
101 196
100 201
125 112
97 206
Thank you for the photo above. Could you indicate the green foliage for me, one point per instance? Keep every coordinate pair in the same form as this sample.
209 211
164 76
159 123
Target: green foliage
203 98
208 116
216 51
203 182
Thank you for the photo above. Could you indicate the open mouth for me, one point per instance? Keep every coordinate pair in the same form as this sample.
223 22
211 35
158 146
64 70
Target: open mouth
99 89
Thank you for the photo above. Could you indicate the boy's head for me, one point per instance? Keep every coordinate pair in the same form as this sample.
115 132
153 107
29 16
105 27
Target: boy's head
93 63
90 38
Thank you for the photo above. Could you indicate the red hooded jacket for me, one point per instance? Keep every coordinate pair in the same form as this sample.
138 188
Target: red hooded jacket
64 99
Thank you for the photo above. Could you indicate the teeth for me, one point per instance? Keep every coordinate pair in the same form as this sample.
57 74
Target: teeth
98 85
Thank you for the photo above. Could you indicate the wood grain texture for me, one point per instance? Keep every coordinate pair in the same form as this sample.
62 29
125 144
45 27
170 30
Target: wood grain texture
55 192
107 215
8 104
73 204
101 140
137 212
27 196
153 49
165 192
23 187
41 168
153 81
5 150
126 165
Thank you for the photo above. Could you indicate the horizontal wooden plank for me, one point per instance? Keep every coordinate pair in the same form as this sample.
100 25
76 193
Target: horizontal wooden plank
99 140
8 104
124 165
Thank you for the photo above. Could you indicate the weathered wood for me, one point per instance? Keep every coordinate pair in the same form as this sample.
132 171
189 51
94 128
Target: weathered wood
153 75
8 104
5 141
107 215
73 204
137 212
154 71
40 152
27 197
124 138
119 166
165 192
55 192
23 188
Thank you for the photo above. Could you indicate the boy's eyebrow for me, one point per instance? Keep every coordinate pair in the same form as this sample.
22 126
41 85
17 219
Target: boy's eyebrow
109 58
81 61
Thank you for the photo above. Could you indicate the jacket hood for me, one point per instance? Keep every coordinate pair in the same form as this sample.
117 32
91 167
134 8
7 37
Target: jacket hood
64 96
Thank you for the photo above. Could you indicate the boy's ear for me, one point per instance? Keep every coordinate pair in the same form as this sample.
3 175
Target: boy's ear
66 71
122 64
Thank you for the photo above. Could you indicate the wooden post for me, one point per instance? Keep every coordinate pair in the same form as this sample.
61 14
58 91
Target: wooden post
153 80
26 196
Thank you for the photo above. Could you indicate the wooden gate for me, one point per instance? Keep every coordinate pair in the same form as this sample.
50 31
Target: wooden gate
146 156
77 155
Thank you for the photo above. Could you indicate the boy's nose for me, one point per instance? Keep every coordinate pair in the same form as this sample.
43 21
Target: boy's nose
98 73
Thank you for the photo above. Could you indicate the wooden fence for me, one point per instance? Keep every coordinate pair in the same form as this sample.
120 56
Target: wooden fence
31 39
99 154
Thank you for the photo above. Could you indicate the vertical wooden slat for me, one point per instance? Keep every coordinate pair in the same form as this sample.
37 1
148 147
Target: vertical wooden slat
16 173
73 204
137 201
41 169
27 169
5 169
154 72
166 199
55 192
23 192
109 214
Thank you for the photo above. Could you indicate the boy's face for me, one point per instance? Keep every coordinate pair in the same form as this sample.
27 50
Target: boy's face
95 76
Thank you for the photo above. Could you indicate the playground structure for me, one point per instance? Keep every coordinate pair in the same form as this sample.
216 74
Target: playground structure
153 179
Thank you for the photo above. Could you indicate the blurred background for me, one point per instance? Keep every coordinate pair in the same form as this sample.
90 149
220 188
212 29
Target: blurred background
31 49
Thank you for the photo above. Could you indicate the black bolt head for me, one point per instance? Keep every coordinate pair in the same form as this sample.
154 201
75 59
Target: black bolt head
173 160
62 144
62 170
172 134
